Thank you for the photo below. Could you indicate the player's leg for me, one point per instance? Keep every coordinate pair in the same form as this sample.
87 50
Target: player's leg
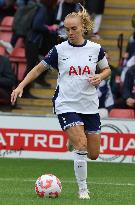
92 130
93 145
78 139
72 124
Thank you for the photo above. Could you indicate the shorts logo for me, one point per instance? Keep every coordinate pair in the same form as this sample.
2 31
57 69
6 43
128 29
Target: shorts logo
64 120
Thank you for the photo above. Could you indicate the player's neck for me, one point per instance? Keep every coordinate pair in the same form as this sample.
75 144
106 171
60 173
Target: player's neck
78 41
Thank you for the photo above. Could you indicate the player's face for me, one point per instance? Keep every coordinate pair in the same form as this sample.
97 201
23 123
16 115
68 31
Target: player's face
74 29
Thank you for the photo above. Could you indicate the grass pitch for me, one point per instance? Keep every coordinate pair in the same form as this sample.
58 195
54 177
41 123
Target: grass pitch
109 183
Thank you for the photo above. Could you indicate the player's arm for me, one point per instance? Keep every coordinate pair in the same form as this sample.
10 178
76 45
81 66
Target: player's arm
97 78
49 62
105 73
32 75
105 70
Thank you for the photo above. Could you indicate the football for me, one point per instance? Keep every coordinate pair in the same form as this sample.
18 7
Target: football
48 185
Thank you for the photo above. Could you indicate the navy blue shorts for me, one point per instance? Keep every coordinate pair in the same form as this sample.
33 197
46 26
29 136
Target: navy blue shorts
91 122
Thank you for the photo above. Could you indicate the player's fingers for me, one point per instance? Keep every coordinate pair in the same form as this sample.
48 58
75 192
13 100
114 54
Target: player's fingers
13 96
20 94
96 82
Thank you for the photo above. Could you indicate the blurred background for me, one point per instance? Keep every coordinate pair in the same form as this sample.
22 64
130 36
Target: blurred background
30 28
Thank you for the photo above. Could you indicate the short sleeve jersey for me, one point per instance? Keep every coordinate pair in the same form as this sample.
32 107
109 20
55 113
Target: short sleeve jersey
75 64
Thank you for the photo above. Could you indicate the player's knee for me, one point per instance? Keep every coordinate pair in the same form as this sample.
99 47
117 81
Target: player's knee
93 156
80 145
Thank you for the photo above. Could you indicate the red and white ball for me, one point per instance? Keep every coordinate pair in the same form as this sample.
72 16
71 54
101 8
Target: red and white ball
48 185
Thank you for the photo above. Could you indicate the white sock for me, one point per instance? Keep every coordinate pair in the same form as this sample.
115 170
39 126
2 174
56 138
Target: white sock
80 168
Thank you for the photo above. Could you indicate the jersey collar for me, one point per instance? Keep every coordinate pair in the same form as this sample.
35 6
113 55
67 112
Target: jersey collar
71 44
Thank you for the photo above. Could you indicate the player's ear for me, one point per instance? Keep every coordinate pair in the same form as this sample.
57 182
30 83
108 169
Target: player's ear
82 28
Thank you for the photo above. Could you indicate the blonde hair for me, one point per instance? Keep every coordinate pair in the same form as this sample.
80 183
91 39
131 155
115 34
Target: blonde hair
85 18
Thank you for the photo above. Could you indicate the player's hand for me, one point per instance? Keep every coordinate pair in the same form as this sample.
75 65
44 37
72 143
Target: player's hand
95 79
16 93
130 102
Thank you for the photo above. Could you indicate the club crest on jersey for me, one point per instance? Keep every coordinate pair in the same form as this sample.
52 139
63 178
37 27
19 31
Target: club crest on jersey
79 70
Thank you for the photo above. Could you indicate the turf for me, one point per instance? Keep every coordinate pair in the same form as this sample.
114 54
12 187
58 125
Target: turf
109 183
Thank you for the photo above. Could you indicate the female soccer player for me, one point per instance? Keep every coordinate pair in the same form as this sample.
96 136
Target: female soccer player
76 100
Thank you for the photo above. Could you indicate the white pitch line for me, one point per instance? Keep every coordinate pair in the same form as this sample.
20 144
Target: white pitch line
69 182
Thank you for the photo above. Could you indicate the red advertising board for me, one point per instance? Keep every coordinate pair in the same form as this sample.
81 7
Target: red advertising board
118 143
42 137
33 140
56 141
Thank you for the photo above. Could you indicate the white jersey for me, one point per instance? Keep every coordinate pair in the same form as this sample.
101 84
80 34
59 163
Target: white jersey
75 65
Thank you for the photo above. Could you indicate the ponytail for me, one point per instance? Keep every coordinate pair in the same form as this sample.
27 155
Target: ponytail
85 18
